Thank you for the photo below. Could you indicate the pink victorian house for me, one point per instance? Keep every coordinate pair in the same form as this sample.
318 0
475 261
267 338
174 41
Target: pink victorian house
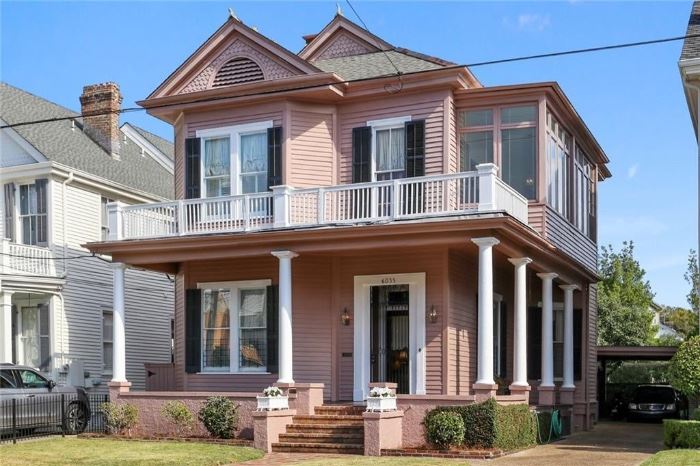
360 213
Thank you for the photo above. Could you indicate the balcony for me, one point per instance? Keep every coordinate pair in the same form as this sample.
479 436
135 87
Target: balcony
22 259
424 197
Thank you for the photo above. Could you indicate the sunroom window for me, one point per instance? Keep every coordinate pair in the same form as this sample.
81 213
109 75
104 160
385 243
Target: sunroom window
476 143
559 151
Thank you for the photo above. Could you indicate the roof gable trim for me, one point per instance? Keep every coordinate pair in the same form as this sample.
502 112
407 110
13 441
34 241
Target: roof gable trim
313 48
148 148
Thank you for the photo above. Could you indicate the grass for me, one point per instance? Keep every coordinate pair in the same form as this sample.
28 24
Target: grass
674 458
381 461
77 451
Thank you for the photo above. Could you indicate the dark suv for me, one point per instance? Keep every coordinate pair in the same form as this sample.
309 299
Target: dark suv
38 403
656 402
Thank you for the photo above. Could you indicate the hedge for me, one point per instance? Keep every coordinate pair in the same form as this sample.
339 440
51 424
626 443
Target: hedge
446 429
490 425
681 434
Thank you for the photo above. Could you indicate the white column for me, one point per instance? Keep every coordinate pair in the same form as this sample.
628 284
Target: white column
568 335
286 373
5 326
520 322
547 330
118 333
484 369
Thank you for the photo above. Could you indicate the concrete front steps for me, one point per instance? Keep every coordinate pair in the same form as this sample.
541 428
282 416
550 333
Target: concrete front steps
333 429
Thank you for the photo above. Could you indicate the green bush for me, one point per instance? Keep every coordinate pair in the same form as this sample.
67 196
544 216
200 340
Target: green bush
219 416
120 418
180 415
490 425
445 429
696 415
684 368
681 434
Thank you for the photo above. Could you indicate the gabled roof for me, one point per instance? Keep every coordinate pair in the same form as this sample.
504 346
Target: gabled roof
691 45
376 64
216 44
65 143
340 22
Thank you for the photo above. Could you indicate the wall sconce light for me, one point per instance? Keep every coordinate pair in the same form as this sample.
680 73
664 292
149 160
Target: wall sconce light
345 317
433 314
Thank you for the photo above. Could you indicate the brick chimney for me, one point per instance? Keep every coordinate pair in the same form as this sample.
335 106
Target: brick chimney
100 105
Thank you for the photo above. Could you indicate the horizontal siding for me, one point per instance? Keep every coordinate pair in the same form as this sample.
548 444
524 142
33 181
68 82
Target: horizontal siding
428 106
311 149
462 333
232 116
568 239
535 217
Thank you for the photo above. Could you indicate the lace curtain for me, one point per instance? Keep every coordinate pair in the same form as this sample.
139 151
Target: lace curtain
391 149
217 157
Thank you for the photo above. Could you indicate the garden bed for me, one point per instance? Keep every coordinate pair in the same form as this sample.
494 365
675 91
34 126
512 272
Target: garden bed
152 438
451 453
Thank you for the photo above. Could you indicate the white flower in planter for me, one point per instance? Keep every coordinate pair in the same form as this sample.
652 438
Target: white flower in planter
273 398
273 391
381 392
381 399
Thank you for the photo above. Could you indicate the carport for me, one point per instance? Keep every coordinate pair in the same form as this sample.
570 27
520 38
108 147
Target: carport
626 353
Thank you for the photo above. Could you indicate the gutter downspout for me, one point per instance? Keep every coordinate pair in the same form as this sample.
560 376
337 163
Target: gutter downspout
65 183
697 137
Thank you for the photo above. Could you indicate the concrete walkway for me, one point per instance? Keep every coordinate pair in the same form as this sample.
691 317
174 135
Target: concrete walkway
608 444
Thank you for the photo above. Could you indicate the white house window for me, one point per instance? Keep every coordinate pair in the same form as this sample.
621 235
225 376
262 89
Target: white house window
559 150
33 219
107 333
104 220
234 326
235 159
389 148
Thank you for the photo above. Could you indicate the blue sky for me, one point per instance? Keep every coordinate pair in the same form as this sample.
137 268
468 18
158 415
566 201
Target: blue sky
631 99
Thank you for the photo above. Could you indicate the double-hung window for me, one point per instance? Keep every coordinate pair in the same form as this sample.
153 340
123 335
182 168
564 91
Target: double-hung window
234 326
506 136
107 332
389 148
33 216
584 194
499 336
234 159
104 223
559 150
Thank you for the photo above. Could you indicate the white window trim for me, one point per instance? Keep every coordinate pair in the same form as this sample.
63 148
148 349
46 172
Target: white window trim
234 134
386 123
18 227
233 287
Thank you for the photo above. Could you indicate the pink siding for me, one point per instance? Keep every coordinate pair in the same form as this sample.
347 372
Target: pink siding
462 332
233 116
428 106
452 136
311 149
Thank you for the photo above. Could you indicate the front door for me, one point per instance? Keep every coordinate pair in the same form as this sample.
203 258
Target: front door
389 341
389 333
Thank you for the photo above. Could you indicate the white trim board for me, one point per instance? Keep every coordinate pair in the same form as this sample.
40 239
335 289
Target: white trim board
149 148
416 324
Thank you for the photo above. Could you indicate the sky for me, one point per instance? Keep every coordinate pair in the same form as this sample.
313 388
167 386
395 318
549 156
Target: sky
631 99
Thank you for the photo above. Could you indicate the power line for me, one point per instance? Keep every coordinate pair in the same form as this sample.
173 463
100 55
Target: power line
351 81
56 258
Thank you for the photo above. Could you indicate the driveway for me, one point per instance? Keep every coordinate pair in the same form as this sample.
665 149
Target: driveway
608 444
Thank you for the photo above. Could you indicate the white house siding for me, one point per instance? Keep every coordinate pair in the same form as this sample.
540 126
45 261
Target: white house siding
88 292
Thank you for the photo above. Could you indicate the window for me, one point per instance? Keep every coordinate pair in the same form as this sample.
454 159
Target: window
235 159
558 161
499 336
34 336
558 335
32 214
389 148
104 224
505 136
234 326
584 194
31 379
107 333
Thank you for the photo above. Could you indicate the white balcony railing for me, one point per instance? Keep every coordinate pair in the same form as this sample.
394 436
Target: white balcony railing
383 201
22 259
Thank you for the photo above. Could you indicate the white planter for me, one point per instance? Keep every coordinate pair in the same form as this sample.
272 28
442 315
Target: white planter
272 403
381 404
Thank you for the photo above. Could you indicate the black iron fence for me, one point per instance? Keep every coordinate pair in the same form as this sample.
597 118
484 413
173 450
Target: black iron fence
26 415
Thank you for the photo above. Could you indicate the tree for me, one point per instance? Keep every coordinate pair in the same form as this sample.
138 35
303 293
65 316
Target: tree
684 321
624 299
692 276
684 369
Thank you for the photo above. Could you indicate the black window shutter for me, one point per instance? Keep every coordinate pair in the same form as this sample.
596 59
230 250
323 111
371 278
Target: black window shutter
41 208
578 336
193 330
504 341
44 343
193 147
415 148
361 154
534 343
274 156
272 328
9 211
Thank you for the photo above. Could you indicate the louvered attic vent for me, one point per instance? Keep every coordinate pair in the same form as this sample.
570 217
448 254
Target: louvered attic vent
237 71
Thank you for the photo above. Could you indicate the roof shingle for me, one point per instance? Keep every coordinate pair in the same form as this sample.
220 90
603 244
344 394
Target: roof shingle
374 65
691 45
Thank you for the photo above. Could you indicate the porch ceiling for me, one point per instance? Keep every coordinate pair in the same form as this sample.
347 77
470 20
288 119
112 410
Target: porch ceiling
517 240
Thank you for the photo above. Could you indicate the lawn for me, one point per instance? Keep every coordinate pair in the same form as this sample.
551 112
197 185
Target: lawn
674 458
385 461
76 451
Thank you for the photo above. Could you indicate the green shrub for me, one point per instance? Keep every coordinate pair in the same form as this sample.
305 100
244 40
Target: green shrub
696 415
681 434
684 368
490 425
445 429
180 415
120 418
219 416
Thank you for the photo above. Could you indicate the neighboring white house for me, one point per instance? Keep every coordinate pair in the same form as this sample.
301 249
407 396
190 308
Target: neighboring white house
659 321
57 178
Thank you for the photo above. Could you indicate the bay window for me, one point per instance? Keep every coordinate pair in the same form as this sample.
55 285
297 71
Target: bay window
584 194
505 136
558 159
235 326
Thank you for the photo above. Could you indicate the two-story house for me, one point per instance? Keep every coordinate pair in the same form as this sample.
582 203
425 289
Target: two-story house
58 177
359 212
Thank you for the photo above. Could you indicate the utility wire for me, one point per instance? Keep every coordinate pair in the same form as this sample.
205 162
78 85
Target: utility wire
350 81
84 256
